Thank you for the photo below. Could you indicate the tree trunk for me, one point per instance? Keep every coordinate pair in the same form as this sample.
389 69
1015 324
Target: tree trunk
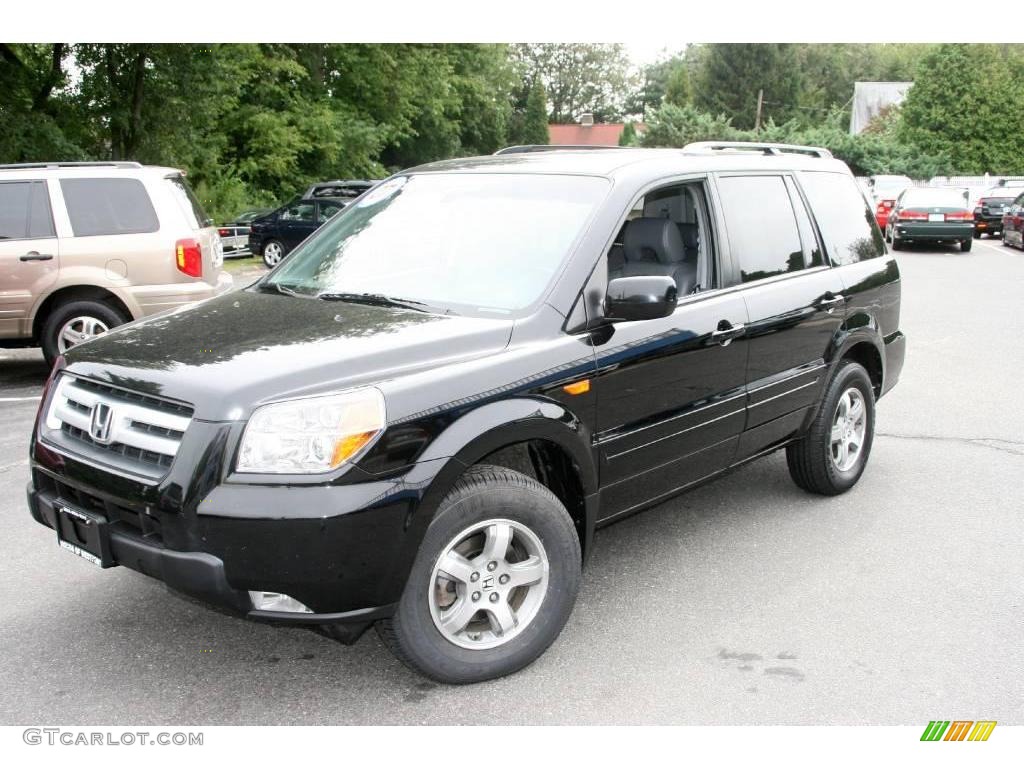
138 86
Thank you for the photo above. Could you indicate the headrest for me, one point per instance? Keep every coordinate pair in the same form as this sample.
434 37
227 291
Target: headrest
656 240
689 233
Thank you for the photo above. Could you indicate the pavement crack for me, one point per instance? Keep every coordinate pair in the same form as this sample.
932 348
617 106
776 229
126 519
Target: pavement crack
1013 447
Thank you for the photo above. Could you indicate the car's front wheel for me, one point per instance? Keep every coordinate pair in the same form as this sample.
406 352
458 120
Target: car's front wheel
494 581
831 457
273 252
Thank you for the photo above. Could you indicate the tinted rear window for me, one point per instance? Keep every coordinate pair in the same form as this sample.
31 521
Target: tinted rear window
24 210
762 226
108 207
846 222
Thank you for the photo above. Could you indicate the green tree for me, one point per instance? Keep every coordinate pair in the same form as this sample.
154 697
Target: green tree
534 126
967 102
32 109
678 89
731 75
629 137
579 77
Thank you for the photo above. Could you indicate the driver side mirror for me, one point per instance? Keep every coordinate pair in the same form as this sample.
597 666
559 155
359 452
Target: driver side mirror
645 297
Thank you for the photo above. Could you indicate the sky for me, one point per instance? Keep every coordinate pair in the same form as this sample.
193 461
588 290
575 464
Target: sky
648 51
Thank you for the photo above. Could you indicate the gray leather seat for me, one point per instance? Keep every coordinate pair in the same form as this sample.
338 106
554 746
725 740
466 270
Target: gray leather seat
656 247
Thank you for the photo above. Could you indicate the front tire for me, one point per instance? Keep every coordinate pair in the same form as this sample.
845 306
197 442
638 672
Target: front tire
494 581
75 322
831 457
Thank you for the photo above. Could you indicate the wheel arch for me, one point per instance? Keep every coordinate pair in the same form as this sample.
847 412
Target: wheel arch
525 433
863 345
74 293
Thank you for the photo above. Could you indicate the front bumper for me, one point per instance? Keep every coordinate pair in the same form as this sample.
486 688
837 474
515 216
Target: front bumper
343 551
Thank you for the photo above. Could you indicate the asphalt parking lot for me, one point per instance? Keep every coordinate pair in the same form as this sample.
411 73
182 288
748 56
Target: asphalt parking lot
746 601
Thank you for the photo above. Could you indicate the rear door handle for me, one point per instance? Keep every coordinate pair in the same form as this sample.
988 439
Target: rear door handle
830 302
35 256
726 332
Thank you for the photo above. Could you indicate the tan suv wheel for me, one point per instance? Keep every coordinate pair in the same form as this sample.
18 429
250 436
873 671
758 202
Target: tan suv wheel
77 321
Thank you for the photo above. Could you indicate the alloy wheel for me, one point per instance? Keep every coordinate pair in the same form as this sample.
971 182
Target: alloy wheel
488 584
79 329
849 425
272 254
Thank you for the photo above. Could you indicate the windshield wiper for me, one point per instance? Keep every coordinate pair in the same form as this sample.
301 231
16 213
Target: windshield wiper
376 300
284 290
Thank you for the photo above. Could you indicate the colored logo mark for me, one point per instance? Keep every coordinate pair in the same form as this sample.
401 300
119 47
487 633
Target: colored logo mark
958 730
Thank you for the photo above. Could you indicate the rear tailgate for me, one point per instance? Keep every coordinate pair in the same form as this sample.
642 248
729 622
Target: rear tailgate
205 233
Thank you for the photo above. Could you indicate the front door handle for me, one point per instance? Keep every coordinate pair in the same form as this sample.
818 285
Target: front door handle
830 302
726 332
35 256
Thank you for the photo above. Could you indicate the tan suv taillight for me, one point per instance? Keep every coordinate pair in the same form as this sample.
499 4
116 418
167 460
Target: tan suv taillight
189 257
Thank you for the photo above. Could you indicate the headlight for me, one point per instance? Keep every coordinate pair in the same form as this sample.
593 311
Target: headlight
313 434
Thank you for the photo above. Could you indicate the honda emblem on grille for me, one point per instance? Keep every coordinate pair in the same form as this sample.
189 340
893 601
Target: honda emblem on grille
102 418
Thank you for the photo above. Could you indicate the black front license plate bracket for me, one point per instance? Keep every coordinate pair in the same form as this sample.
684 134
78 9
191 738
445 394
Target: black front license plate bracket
84 534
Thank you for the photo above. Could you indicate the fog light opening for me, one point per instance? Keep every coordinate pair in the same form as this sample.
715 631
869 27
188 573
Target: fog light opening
275 601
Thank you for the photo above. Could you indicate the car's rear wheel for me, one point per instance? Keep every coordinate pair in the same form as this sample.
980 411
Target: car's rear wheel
897 244
977 235
965 245
831 457
273 252
77 321
494 581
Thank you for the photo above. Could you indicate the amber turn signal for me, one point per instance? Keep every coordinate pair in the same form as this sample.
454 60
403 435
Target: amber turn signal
578 387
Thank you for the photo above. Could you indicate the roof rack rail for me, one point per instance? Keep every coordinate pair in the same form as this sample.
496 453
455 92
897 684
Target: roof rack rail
520 149
84 164
754 146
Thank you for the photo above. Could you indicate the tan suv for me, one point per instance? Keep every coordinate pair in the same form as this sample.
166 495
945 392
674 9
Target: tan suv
85 247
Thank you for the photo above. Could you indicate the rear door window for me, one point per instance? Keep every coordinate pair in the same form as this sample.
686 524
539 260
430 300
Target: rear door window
108 207
847 224
24 211
761 226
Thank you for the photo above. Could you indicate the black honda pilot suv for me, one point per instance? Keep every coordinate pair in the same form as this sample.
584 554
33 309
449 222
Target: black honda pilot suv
421 415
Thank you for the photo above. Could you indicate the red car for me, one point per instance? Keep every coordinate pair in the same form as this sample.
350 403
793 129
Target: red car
1013 223
885 190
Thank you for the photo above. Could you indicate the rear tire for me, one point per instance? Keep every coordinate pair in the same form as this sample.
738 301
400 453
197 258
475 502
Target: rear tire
897 244
977 235
965 245
813 461
447 626
273 252
77 321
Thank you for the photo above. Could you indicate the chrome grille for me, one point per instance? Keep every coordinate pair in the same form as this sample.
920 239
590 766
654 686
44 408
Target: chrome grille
123 429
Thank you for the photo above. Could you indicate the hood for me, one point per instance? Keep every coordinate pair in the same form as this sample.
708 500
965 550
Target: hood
234 352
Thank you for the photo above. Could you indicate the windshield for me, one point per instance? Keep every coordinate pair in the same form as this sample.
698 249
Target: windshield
469 243
935 198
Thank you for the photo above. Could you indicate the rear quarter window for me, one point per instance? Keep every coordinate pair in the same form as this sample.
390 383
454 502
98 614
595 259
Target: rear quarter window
189 203
108 207
847 224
